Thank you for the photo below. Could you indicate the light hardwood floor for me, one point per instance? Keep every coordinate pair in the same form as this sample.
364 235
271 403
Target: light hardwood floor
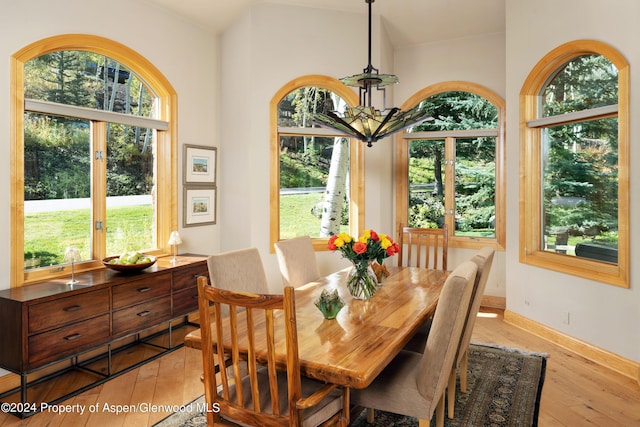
576 392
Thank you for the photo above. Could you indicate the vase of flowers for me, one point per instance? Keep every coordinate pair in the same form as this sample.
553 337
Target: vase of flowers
371 246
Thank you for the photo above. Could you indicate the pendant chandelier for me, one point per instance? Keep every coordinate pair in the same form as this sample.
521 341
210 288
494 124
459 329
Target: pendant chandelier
365 122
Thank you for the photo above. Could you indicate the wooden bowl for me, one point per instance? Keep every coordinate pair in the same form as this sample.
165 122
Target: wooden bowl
128 268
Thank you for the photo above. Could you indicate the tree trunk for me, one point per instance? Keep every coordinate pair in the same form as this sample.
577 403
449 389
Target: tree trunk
438 189
336 188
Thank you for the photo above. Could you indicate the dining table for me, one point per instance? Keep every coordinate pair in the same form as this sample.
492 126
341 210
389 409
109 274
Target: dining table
352 349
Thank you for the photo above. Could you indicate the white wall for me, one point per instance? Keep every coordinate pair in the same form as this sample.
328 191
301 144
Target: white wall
603 315
223 99
266 32
185 54
270 46
479 60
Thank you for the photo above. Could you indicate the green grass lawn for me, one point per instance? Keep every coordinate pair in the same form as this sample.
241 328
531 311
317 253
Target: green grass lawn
47 234
296 218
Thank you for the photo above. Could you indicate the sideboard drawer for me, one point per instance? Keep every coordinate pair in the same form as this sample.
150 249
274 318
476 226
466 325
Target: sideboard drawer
141 316
185 302
68 340
141 290
62 311
185 278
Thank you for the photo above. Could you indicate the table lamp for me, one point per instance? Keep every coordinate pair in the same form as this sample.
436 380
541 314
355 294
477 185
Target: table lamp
174 240
72 254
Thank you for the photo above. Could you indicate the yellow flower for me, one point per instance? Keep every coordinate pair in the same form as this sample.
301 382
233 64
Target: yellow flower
338 242
346 238
366 235
385 243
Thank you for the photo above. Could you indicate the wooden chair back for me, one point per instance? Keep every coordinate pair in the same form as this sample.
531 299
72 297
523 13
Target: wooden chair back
423 247
257 387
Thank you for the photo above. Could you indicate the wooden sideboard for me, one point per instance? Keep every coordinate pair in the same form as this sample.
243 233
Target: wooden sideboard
47 323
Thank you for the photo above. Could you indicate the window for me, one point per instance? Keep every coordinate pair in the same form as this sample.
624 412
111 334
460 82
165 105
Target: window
316 174
575 163
450 170
94 158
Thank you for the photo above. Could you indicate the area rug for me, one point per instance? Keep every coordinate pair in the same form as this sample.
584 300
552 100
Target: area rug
503 390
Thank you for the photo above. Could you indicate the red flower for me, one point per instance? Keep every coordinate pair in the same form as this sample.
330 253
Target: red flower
359 247
393 249
331 243
374 236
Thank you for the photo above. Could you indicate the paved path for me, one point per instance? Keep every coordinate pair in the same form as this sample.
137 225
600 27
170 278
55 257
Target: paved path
35 206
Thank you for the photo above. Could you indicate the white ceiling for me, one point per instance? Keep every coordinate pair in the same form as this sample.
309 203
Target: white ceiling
407 22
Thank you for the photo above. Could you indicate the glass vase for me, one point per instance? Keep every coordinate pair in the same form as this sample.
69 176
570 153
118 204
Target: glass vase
361 280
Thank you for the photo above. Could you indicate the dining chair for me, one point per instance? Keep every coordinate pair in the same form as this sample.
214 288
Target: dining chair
273 392
414 384
483 259
238 270
423 247
297 261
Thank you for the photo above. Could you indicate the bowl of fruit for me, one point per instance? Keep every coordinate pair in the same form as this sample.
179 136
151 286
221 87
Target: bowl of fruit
129 261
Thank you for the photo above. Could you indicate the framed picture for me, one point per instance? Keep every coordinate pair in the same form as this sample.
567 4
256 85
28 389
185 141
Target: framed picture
199 164
199 206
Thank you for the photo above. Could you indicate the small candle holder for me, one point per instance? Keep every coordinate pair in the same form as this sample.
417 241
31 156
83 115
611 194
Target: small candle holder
174 241
72 255
329 303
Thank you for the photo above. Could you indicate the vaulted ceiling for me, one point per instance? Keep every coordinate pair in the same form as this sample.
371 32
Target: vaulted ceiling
407 22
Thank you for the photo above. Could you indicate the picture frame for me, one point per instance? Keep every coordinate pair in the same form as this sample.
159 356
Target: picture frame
199 206
199 164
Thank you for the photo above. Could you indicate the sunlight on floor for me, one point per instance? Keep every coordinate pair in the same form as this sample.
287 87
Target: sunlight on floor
488 315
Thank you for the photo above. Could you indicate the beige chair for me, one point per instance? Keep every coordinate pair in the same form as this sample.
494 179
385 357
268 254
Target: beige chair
483 259
239 270
273 393
423 247
414 384
297 261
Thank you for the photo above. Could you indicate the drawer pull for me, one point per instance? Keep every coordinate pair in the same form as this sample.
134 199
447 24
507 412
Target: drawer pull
143 290
73 337
144 313
73 308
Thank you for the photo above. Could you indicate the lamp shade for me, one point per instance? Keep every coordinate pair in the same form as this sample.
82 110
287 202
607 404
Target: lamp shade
365 122
72 254
174 238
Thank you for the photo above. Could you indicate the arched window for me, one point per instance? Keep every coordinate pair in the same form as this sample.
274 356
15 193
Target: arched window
316 174
94 155
575 163
451 170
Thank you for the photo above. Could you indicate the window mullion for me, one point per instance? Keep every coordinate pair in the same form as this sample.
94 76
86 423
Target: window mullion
450 184
98 189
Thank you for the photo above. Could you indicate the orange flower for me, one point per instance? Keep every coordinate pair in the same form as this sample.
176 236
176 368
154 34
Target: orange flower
359 247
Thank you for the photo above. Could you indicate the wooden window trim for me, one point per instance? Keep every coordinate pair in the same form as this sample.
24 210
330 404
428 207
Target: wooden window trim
530 181
402 164
166 149
356 214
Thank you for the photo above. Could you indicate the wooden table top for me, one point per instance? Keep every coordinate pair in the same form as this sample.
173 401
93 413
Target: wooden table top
357 345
